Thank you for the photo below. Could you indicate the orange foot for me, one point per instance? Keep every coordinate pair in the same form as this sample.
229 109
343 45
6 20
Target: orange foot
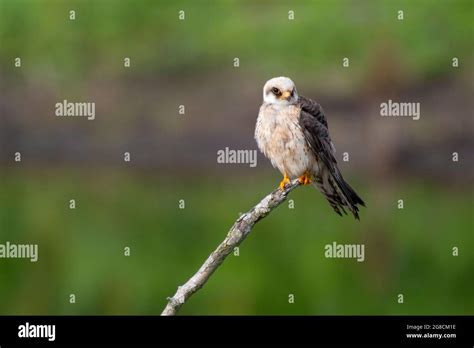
284 182
305 179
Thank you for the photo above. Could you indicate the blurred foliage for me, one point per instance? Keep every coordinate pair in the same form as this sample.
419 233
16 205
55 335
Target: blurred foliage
408 251
214 32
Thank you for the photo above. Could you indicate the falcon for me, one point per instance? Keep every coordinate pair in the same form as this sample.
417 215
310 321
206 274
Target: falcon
292 132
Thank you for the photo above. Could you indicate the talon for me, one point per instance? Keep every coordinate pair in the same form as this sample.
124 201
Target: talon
305 179
284 182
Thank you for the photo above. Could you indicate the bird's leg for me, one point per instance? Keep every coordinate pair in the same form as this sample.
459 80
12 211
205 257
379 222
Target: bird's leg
284 182
305 179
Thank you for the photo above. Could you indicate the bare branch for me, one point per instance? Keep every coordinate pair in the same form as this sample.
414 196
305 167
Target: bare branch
236 235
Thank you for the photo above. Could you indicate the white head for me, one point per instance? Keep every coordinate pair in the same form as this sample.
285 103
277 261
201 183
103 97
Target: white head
280 90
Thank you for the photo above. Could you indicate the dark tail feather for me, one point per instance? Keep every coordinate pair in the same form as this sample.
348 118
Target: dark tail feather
348 190
339 193
350 197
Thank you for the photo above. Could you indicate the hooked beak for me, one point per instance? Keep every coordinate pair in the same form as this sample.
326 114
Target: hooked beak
285 95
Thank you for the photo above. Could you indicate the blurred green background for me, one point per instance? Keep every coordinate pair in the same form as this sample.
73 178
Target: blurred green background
173 157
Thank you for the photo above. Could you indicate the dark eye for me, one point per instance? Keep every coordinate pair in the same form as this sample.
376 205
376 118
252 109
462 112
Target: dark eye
276 91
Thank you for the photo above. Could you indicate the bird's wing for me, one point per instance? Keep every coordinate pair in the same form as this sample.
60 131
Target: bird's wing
313 108
317 135
336 189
